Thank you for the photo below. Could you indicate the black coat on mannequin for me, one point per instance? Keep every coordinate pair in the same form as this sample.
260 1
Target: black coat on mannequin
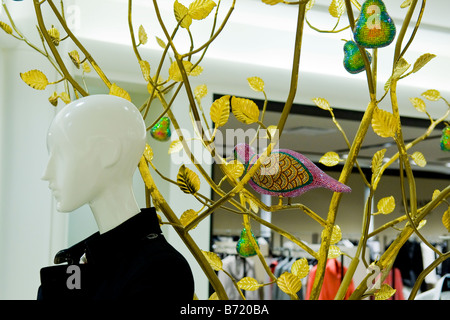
132 261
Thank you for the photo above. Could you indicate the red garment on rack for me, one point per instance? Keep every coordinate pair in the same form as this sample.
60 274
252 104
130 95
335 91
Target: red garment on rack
331 281
396 282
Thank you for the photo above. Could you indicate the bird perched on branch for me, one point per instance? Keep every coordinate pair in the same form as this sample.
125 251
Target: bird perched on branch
285 173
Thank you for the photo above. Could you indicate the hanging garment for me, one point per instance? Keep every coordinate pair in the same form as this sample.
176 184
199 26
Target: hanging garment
238 268
132 261
334 273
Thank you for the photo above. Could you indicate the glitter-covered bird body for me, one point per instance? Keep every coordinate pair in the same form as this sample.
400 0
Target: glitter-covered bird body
286 173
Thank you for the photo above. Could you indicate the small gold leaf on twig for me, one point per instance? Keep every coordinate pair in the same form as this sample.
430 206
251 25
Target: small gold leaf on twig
377 161
419 104
188 216
432 95
119 92
220 111
148 153
249 284
200 9
181 14
256 84
6 27
53 99
175 146
419 159
272 2
160 42
200 91
385 205
187 180
405 4
235 169
336 234
143 38
214 260
336 8
175 73
384 123
35 79
86 67
300 268
385 292
322 103
422 61
65 97
400 68
446 219
330 159
334 252
245 110
145 69
75 57
54 35
289 283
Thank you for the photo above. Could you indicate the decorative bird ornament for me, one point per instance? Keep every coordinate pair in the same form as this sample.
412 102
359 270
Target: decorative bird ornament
285 173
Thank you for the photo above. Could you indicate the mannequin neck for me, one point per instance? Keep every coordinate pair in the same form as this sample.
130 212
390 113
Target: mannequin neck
114 206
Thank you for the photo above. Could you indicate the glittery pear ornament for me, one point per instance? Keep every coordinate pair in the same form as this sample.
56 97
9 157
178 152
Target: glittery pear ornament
353 60
161 130
285 173
445 139
244 246
374 27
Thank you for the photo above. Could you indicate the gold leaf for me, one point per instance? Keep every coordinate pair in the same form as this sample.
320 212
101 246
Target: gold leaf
377 161
385 205
187 180
75 57
235 169
143 38
253 205
422 61
214 296
336 8
289 283
6 27
384 123
86 67
35 79
300 268
256 84
213 260
175 73
200 9
200 91
330 159
175 146
336 234
385 292
54 35
249 284
421 224
322 103
310 4
188 216
148 153
181 14
334 252
432 95
419 159
53 99
119 92
419 104
405 4
272 2
160 42
65 97
145 69
400 68
245 110
220 111
387 85
446 219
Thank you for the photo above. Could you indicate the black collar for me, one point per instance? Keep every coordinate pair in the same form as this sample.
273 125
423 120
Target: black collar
104 247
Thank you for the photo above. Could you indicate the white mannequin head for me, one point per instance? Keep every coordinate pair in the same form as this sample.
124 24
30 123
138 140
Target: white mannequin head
95 144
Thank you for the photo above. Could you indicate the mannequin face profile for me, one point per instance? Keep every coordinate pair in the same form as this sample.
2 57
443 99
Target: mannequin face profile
94 146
